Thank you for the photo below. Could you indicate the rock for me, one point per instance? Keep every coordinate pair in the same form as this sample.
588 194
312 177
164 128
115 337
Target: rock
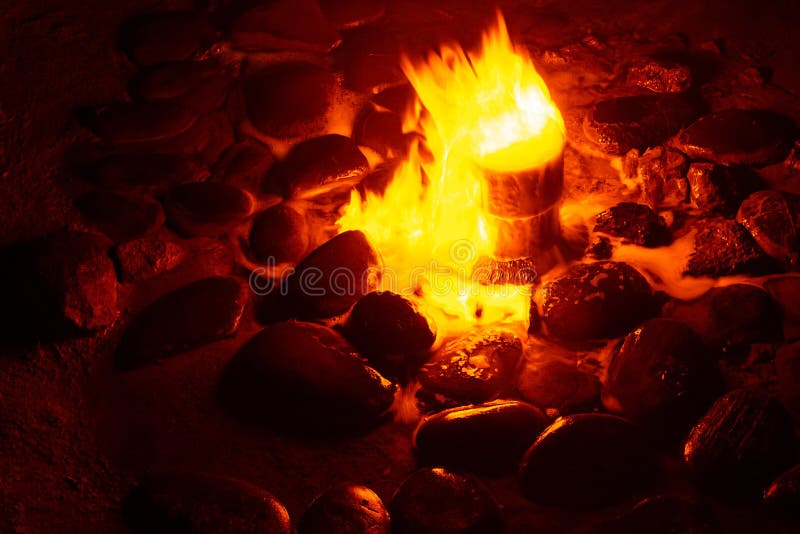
586 460
436 500
470 369
399 99
714 188
131 122
244 165
492 272
198 85
661 378
737 136
635 223
318 166
619 124
596 300
205 141
335 276
279 234
785 290
660 76
662 175
740 444
723 247
147 257
557 384
169 36
307 377
600 248
377 180
663 514
729 316
784 492
772 218
288 99
173 501
120 217
370 59
787 365
486 438
133 170
353 13
206 208
381 131
346 508
204 311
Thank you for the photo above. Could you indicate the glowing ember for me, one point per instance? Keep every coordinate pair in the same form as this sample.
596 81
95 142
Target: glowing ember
486 110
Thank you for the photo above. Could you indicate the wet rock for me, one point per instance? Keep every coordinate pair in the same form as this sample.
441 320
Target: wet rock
307 377
486 438
381 131
173 501
635 223
147 257
663 514
719 189
390 331
737 136
740 444
346 508
352 14
662 377
280 25
660 76
204 311
596 300
132 170
772 219
399 99
586 460
619 124
288 99
784 492
662 175
279 234
120 217
436 500
786 292
206 208
471 369
558 385
130 122
200 86
723 247
600 248
170 36
787 365
244 165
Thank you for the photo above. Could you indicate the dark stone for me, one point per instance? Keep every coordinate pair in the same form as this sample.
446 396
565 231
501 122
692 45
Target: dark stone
279 234
787 366
719 189
660 76
738 136
635 223
600 248
619 124
557 384
370 60
200 86
662 175
786 292
205 141
730 316
204 311
306 377
244 165
146 170
335 276
147 257
376 181
348 509
206 208
773 218
399 99
662 514
120 217
784 492
172 501
596 300
723 247
389 330
740 444
381 131
288 99
131 122
662 378
171 36
470 369
354 13
491 272
436 500
487 438
586 460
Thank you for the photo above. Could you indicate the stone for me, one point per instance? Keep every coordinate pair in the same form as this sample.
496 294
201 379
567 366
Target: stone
785 290
334 276
147 257
773 219
145 170
660 76
376 181
723 247
492 272
279 234
595 301
486 438
662 514
205 141
787 366
635 223
436 500
198 85
369 58
661 174
718 189
381 131
201 312
346 508
206 208
244 165
737 136
288 99
600 248
131 122
586 460
305 377
784 492
351 14
662 378
120 217
177 501
399 99
168 36
742 442
557 384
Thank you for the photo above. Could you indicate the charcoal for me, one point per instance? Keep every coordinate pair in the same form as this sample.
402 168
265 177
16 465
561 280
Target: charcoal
773 218
170 36
635 223
279 234
719 189
346 508
723 247
206 208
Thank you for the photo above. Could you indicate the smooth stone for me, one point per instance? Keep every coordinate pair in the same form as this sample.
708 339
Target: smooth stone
244 165
390 331
486 438
787 366
351 14
586 460
784 492
147 257
662 514
719 189
206 208
200 86
133 170
201 312
738 136
205 141
635 223
399 99
596 300
557 385
435 500
369 58
348 509
279 234
660 76
131 122
723 247
120 217
786 292
662 175
175 501
288 99
169 36
743 441
773 219
662 378
381 131
305 377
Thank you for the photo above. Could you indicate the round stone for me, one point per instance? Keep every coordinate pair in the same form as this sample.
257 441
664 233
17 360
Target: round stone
346 508
206 208
279 234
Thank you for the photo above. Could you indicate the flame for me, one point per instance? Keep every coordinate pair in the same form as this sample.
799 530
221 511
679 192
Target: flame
485 110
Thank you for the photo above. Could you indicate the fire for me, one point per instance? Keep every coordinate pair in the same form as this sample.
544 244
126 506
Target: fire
485 110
